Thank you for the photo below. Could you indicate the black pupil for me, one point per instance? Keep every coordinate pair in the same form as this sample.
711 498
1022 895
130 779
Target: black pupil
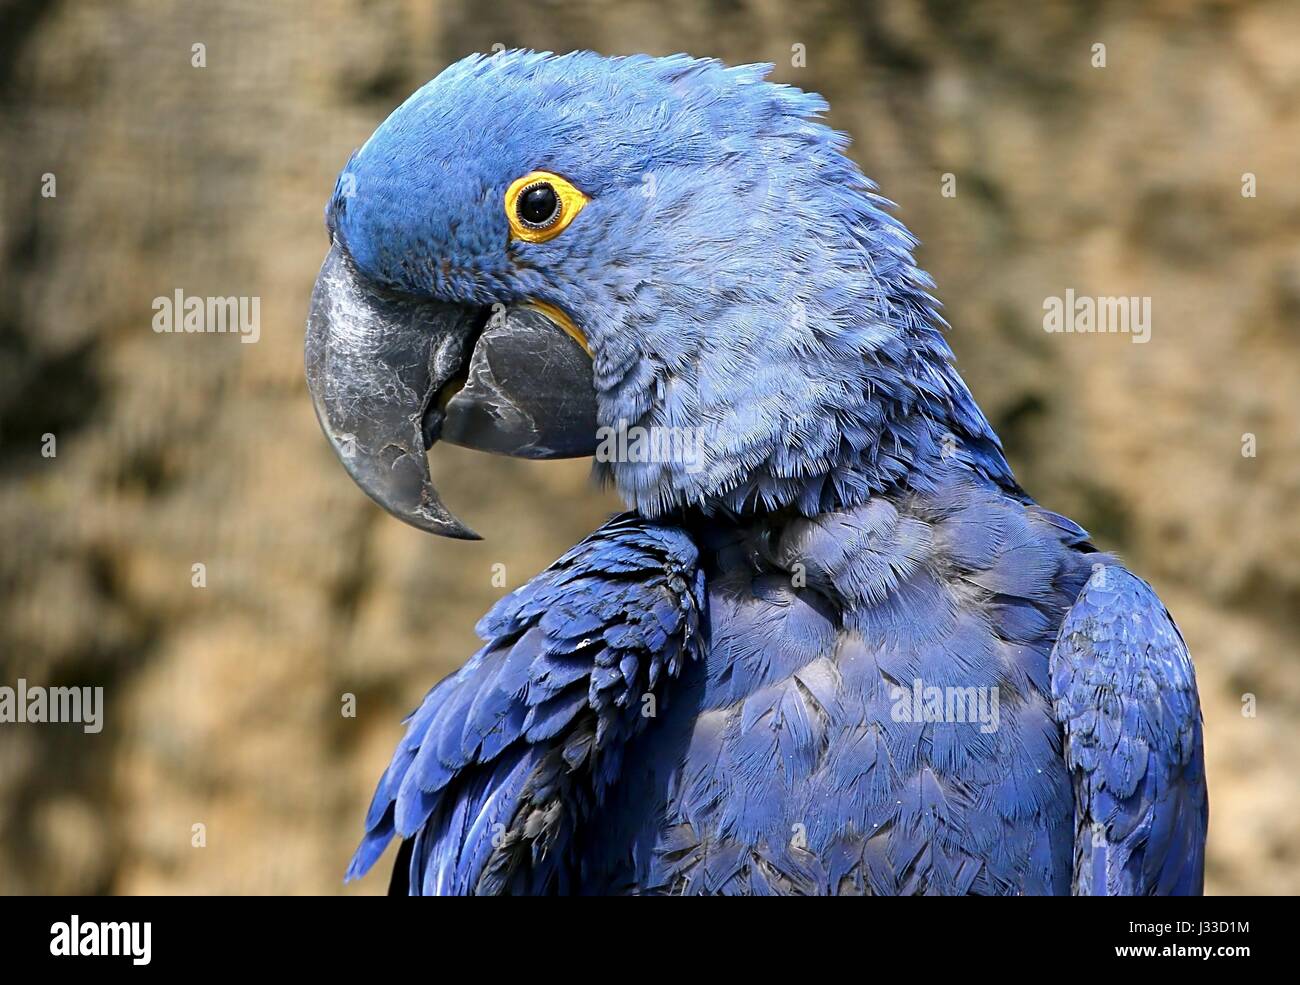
539 205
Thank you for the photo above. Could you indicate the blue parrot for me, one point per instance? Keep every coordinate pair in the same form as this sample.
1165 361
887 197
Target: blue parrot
833 647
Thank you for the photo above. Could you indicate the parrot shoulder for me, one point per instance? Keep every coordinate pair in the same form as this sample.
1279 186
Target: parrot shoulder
503 760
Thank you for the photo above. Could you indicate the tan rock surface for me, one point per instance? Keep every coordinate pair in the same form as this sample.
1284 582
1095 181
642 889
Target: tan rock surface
224 702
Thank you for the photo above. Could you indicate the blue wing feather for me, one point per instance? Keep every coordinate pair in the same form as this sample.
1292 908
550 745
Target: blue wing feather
1125 694
499 761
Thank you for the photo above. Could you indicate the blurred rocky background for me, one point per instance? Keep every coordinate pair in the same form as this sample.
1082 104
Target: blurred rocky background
224 703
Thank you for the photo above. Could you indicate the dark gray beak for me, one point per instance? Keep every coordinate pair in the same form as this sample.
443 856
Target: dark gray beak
391 374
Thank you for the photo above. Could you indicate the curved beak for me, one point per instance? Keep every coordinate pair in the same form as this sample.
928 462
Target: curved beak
391 374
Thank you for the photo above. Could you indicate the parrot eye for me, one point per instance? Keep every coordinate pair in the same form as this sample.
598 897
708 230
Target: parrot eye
540 206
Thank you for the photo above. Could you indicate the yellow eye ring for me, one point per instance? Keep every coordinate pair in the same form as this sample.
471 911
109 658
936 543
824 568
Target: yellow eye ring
540 206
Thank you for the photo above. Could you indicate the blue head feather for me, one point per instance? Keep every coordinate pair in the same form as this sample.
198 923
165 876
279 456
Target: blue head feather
734 272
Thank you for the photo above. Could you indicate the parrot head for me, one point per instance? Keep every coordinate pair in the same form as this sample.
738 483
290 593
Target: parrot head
662 262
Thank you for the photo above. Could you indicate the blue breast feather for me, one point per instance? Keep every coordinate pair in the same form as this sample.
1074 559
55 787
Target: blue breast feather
713 708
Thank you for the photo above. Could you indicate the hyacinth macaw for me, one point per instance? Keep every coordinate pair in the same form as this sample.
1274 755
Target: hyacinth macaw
763 677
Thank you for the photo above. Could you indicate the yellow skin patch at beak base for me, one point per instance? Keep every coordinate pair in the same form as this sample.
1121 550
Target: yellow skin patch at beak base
571 203
562 319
